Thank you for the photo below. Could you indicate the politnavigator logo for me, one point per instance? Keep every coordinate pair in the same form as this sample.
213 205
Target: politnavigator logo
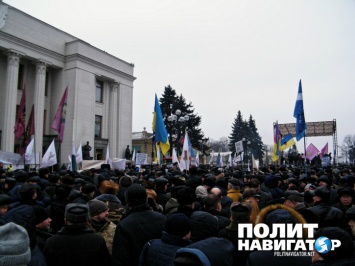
284 239
323 245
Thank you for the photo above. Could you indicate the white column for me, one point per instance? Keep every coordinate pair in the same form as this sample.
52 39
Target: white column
113 114
9 109
40 83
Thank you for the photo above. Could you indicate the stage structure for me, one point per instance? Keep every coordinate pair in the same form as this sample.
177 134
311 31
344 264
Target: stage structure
315 129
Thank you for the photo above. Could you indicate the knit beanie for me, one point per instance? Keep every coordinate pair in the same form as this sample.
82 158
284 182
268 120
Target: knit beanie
88 188
77 213
14 245
96 207
136 195
185 196
240 211
201 192
178 224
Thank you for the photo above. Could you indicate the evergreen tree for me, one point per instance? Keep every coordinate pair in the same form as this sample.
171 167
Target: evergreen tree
170 102
238 132
256 146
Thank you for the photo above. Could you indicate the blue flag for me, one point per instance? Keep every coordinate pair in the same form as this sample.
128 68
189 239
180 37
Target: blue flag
218 162
161 135
298 113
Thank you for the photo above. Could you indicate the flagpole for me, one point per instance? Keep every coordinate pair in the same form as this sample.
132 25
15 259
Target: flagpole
305 158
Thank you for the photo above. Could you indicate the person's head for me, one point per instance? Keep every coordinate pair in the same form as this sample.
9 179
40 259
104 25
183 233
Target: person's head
76 213
98 210
350 214
212 203
109 187
136 195
27 192
186 196
178 224
201 192
14 245
88 189
323 181
5 200
250 194
321 194
43 221
216 191
344 251
235 184
346 195
255 183
293 198
240 212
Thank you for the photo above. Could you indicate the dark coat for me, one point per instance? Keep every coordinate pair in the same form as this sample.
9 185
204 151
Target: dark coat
75 245
161 251
139 226
328 216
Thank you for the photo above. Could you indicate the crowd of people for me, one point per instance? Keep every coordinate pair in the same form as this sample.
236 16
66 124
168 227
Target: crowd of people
162 216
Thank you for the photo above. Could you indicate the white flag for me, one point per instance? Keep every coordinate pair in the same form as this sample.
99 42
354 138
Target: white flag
175 158
134 155
211 158
50 157
158 154
255 163
239 146
230 161
30 157
29 148
197 159
107 155
185 155
79 155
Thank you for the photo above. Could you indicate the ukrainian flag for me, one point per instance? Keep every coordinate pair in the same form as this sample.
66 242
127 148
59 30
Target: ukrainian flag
161 135
287 142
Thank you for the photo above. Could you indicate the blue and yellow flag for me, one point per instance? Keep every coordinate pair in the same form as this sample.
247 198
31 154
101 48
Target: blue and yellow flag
161 135
287 142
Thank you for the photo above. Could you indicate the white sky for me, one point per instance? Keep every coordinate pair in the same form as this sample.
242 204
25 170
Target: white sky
225 56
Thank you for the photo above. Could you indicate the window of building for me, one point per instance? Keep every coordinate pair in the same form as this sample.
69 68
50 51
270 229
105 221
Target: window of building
99 91
98 126
20 77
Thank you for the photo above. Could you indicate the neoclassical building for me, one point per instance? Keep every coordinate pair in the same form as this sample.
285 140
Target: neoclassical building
46 60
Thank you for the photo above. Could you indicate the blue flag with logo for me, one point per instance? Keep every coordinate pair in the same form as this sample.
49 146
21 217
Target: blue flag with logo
298 113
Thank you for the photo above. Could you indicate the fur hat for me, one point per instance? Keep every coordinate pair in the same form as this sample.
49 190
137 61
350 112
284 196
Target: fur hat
77 213
294 195
96 207
136 195
5 199
240 211
14 245
345 191
178 224
109 187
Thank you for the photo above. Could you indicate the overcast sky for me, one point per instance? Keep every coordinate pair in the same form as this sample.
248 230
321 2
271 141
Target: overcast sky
225 56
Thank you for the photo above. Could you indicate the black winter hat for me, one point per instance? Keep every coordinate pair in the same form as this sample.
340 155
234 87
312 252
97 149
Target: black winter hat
323 193
26 190
41 214
5 199
135 195
350 213
77 213
88 188
186 196
345 191
178 224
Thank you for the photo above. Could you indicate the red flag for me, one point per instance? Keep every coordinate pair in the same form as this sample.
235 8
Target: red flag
20 121
59 119
323 151
30 130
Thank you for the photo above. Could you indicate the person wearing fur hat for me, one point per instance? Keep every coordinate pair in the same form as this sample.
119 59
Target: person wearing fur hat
324 181
87 193
139 225
277 213
240 213
162 251
346 198
186 199
43 230
75 243
100 223
325 213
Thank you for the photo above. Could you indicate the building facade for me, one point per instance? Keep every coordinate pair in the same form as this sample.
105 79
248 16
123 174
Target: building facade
46 60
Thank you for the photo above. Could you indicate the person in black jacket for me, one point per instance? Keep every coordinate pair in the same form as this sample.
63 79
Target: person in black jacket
162 251
75 244
140 225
